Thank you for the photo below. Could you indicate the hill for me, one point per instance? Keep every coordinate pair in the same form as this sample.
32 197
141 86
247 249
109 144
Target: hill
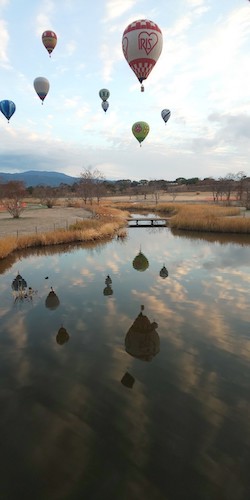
37 178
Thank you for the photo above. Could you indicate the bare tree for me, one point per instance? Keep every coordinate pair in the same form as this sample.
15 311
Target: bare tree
46 195
91 185
12 194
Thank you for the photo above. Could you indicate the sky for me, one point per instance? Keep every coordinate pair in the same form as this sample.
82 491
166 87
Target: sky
202 76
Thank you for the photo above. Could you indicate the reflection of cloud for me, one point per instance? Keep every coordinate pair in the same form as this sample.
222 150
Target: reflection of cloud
17 330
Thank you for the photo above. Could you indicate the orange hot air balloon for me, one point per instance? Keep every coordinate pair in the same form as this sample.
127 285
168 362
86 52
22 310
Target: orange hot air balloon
142 46
49 40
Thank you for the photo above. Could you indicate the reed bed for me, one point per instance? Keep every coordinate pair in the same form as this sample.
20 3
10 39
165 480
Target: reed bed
88 230
109 221
175 208
210 218
210 222
197 217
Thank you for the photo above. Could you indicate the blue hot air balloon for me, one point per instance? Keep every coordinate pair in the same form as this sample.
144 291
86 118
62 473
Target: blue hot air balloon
8 108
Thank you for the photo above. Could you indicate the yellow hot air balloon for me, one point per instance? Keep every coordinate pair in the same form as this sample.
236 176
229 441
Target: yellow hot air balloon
49 40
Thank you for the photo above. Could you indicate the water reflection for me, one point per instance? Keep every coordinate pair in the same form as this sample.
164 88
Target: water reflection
163 272
108 288
142 340
127 380
90 411
21 291
62 336
52 301
140 262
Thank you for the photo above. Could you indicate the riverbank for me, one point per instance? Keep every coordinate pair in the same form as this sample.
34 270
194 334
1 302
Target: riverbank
44 227
98 224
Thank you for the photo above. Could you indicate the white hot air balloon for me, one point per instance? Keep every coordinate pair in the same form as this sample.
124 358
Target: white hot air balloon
105 105
41 86
165 115
142 46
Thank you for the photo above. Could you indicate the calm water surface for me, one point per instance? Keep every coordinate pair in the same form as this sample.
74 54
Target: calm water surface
138 388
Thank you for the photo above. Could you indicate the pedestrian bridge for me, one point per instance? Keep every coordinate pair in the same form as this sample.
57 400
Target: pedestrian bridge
147 221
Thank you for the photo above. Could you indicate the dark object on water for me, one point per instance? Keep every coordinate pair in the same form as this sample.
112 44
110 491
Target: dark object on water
62 336
18 283
52 301
128 380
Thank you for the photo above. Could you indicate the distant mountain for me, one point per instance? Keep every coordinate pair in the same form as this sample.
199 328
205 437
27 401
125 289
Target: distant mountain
37 178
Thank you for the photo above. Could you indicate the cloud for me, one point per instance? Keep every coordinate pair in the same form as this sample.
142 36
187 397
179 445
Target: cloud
116 8
4 40
43 19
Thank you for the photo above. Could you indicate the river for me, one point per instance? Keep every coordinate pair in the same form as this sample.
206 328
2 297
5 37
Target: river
125 369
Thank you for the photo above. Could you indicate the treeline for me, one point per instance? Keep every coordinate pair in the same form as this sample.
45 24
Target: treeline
92 186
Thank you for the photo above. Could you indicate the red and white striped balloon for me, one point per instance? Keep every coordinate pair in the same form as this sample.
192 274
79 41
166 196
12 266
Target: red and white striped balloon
142 46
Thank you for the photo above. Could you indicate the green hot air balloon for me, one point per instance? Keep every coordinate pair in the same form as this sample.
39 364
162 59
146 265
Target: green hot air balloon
104 94
140 130
140 262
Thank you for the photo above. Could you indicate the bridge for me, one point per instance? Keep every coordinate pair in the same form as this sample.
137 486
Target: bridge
147 221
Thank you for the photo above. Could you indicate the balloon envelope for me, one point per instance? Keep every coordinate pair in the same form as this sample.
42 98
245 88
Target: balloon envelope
140 262
49 40
140 130
105 105
165 115
104 94
8 108
41 86
142 46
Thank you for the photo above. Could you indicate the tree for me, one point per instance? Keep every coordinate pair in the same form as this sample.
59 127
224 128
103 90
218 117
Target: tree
46 195
12 194
91 185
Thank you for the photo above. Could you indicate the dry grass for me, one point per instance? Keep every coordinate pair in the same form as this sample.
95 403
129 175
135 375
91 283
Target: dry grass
109 221
197 217
106 225
210 218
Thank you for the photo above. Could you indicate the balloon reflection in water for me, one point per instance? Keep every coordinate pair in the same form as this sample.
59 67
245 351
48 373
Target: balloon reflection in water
21 291
163 272
52 301
108 289
128 380
142 340
18 283
140 262
62 336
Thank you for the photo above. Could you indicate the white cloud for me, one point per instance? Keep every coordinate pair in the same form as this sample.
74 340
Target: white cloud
116 8
43 19
4 40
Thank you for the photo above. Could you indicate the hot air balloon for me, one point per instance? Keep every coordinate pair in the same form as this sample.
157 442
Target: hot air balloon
8 108
52 301
140 262
62 336
49 40
19 283
165 115
142 340
105 105
128 380
163 272
104 94
41 86
140 130
142 46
